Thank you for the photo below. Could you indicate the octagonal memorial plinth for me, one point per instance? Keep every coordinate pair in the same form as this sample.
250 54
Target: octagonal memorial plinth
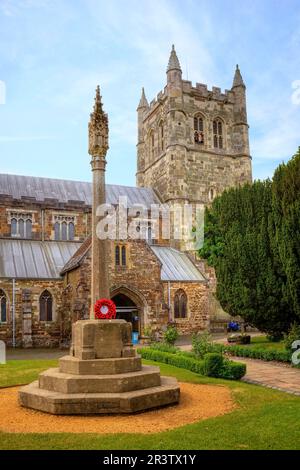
102 374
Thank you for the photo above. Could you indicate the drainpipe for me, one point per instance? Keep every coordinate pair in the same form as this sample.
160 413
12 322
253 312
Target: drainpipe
14 313
169 301
43 225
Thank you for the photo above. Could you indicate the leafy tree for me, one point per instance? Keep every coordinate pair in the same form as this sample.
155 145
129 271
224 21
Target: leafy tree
286 208
240 242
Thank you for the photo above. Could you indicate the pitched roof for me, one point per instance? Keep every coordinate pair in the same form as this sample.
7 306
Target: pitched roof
65 191
34 259
75 260
176 265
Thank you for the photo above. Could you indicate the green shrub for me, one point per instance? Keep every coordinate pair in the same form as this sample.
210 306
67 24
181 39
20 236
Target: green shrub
165 347
293 335
170 335
233 370
202 344
228 370
213 363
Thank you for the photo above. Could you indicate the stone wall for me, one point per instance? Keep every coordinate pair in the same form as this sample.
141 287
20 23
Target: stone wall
197 306
43 218
30 331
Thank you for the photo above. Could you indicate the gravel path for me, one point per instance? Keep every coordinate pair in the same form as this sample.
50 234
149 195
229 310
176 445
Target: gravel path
197 402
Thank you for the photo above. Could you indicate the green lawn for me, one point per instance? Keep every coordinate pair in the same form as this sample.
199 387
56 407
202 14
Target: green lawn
265 419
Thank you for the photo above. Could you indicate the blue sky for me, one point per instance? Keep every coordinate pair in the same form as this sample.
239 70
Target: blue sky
53 53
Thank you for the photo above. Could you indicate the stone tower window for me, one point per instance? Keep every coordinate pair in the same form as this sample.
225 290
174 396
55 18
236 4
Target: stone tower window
46 306
3 307
198 130
218 133
180 304
161 137
21 225
120 255
117 255
64 228
151 145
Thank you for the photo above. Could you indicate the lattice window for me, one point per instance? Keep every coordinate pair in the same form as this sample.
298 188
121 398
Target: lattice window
161 137
46 306
3 307
151 145
198 130
21 224
218 133
120 255
180 304
64 227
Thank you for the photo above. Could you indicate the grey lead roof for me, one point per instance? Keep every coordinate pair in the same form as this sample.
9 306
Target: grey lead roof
176 266
34 259
21 259
40 189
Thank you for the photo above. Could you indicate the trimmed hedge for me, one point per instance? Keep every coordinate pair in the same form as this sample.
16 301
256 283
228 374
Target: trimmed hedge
229 370
253 353
178 360
233 370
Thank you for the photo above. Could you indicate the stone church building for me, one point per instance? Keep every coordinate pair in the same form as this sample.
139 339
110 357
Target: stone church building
192 144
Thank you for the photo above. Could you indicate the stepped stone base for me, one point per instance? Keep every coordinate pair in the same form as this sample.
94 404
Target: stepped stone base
101 375
52 402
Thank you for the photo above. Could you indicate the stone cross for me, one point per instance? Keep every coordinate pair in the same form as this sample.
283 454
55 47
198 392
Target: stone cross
98 146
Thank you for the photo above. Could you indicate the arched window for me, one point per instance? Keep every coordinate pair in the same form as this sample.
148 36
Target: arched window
161 137
123 255
71 231
56 231
117 255
198 130
13 226
46 305
151 146
64 227
28 228
21 228
180 304
3 307
218 133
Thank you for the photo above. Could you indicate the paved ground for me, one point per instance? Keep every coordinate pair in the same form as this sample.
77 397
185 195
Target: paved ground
27 354
272 375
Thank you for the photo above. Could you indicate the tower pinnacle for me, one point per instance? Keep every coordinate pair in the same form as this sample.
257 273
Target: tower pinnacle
238 79
143 101
173 61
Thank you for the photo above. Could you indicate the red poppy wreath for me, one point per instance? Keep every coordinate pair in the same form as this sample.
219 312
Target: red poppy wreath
105 309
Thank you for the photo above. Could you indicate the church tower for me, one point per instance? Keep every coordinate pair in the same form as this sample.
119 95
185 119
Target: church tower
193 142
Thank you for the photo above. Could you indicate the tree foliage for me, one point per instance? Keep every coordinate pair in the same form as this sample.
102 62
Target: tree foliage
252 238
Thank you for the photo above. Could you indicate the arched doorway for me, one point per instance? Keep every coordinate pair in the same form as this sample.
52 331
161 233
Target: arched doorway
127 310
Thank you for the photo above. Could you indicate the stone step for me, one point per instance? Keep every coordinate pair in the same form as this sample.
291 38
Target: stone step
31 396
54 380
72 365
